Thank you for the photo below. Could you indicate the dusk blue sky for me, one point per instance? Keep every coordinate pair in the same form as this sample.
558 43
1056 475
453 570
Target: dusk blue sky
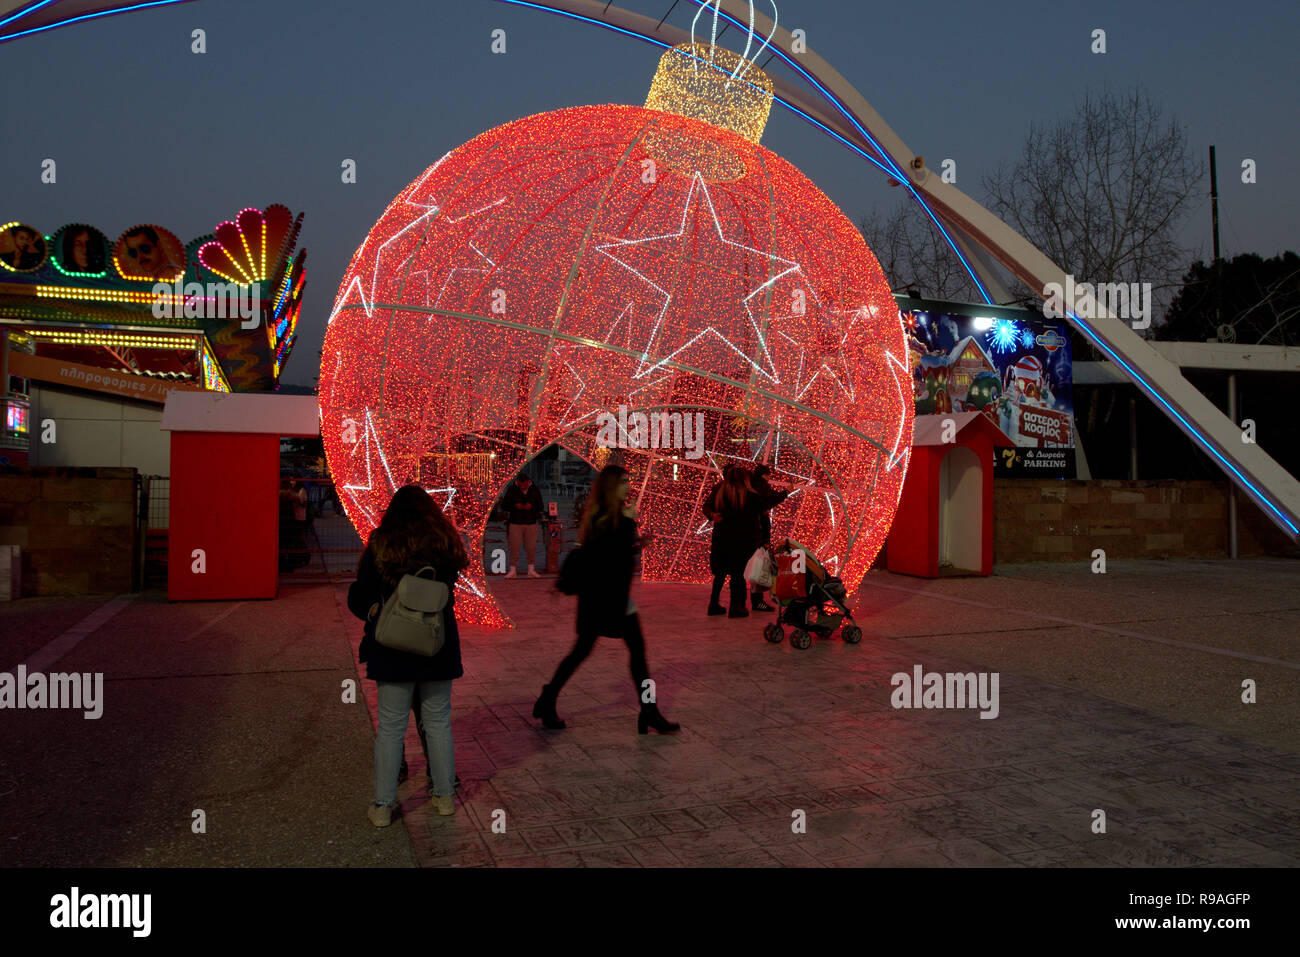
145 131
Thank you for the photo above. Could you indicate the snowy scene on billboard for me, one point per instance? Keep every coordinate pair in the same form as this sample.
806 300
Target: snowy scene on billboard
1015 370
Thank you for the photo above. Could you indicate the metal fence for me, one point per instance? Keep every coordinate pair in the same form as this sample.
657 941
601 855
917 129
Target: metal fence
153 511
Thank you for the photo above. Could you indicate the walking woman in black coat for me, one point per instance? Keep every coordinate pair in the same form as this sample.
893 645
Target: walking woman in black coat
609 543
412 534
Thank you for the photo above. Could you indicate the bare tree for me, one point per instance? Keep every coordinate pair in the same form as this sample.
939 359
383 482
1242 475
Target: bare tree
1103 191
914 255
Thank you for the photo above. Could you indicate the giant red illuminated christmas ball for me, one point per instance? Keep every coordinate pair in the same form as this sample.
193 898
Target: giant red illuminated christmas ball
569 270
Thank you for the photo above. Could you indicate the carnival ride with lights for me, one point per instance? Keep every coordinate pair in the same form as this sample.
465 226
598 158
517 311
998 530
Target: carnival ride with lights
564 266
977 237
148 307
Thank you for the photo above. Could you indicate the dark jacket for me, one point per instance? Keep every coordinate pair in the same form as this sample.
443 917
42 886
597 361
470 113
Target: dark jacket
514 498
772 498
608 564
738 532
385 664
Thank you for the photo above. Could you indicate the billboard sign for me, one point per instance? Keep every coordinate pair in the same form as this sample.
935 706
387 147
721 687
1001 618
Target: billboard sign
1011 364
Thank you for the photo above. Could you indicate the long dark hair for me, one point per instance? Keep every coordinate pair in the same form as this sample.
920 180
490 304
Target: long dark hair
414 529
735 489
603 510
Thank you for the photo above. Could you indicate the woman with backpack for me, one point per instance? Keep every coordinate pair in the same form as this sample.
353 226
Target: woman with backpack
608 544
412 534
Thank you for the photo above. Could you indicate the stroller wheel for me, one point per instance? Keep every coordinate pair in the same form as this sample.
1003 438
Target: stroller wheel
800 638
773 632
851 633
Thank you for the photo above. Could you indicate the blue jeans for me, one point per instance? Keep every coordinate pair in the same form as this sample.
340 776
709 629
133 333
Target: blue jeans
394 703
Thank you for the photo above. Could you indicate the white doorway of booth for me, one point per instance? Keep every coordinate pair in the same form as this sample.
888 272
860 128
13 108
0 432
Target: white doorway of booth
961 512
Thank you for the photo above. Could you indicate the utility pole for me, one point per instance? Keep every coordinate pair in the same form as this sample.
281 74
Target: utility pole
1218 325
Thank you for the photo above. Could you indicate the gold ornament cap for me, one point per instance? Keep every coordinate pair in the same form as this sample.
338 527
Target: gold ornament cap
715 85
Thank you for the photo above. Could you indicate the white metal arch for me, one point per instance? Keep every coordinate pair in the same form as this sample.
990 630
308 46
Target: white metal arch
976 235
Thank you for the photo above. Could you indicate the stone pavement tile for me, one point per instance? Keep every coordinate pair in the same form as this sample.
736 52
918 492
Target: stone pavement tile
678 820
833 800
468 859
651 852
1029 797
773 806
509 844
961 817
744 812
802 799
527 862
715 847
1048 856
840 775
449 842
612 831
889 791
609 855
1272 858
645 825
576 833
826 850
917 855
542 839
859 796
563 859
711 815
920 787
875 830
972 853
793 855
1125 850
1010 843
822 841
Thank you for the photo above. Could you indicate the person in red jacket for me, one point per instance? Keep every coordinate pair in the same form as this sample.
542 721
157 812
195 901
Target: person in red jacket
412 534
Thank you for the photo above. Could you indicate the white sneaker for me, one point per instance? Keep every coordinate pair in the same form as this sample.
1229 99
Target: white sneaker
510 574
445 805
532 572
381 815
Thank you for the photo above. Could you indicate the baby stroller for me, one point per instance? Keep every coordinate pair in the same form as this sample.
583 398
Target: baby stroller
810 600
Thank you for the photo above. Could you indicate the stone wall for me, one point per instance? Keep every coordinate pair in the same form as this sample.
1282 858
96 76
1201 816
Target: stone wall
1047 520
76 528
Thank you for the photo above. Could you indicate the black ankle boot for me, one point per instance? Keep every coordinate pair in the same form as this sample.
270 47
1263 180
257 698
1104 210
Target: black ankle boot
545 709
651 718
716 609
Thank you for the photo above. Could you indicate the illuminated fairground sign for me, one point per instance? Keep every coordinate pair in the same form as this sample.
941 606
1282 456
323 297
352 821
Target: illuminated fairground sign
219 312
1011 364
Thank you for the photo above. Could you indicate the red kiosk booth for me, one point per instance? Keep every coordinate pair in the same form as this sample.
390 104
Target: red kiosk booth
224 537
944 522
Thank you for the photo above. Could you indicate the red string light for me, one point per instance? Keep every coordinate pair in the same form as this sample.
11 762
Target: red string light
554 269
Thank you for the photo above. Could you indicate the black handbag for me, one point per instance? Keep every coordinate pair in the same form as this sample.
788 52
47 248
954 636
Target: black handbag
572 572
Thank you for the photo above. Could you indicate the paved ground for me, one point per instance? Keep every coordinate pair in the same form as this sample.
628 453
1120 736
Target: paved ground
1117 692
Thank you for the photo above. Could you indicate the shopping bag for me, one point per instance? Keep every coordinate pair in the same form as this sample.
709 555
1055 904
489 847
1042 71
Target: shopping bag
761 569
